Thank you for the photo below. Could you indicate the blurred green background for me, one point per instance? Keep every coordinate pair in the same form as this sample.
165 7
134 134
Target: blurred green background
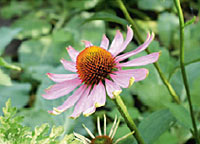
35 33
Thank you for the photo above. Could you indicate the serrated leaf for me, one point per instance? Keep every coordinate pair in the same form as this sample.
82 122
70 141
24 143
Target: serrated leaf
153 126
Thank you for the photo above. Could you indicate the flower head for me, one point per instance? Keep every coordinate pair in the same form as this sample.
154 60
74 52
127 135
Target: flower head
102 138
97 70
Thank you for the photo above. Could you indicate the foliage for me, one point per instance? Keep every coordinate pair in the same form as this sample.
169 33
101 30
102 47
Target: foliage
13 132
33 38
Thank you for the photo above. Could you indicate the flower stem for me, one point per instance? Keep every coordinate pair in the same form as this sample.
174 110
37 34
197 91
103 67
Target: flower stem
130 123
184 76
140 40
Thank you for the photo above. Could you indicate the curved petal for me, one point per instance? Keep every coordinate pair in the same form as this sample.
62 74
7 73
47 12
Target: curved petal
128 39
68 65
144 60
123 80
91 101
87 43
71 100
97 98
138 74
72 53
61 77
104 42
89 111
80 105
61 89
116 43
100 95
111 87
138 50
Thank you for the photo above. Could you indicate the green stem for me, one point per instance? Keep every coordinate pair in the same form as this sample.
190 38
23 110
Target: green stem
140 40
130 123
128 17
181 24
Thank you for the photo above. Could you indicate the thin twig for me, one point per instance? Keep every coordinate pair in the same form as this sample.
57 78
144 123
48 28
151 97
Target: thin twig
184 76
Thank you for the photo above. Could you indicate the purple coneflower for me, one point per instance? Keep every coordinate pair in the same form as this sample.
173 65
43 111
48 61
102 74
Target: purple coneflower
97 70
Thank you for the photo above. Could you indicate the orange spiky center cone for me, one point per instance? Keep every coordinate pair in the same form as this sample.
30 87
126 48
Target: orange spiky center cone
94 64
102 140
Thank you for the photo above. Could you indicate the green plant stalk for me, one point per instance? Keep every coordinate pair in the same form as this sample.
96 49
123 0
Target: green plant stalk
130 123
140 40
181 24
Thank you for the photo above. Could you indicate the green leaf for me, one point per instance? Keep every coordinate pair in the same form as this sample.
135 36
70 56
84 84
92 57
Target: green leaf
4 79
156 5
154 125
10 129
43 51
62 35
181 114
192 42
167 26
193 76
31 27
13 132
14 9
167 138
18 93
6 35
108 17
7 65
195 91
37 72
95 36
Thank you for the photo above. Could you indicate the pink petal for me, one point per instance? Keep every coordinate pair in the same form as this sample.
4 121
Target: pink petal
121 79
72 53
129 37
100 95
105 42
97 98
138 50
79 108
138 74
89 111
91 100
61 77
68 65
111 87
71 100
116 43
87 43
144 60
61 89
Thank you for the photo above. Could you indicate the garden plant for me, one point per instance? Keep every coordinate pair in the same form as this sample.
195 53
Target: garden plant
99 72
